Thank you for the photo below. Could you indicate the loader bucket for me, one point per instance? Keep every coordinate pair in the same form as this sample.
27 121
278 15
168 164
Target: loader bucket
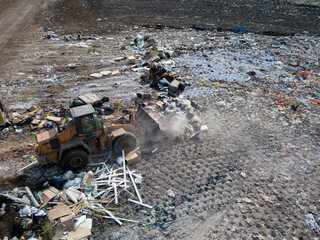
147 125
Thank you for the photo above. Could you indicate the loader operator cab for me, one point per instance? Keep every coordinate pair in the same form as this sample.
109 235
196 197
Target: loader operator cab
85 119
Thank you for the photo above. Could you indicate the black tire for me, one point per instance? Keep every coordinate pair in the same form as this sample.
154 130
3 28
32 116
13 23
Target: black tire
127 142
75 159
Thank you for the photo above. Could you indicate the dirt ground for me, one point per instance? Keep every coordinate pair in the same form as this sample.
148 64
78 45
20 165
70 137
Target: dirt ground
254 175
267 17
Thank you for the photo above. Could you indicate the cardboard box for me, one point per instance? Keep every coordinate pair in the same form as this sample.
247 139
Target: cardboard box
79 233
59 211
90 98
48 195
174 86
131 159
68 222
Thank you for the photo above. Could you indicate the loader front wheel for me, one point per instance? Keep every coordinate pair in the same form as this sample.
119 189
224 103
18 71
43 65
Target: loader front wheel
75 159
126 142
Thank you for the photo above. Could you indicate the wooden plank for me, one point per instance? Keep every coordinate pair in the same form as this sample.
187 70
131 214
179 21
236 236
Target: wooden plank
100 193
29 165
107 176
115 193
127 191
62 196
139 203
105 194
90 98
102 201
122 219
136 175
124 169
53 118
93 209
100 183
109 180
113 217
115 187
134 185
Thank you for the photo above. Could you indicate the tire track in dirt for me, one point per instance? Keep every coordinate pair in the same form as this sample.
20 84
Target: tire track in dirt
15 22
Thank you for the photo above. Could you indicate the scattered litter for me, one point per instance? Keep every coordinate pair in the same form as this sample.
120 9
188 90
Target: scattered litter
90 192
239 30
268 199
3 209
171 194
312 224
96 75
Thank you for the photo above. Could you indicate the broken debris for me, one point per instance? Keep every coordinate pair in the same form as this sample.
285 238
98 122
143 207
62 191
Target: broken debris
83 194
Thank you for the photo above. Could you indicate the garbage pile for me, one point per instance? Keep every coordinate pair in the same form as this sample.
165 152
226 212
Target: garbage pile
155 65
178 116
51 35
67 208
41 118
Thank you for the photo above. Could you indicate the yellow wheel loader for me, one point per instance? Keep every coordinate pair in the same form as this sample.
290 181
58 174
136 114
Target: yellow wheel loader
83 135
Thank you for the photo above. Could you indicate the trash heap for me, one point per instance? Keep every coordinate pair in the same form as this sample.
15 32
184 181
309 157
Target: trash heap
67 208
42 118
178 116
51 35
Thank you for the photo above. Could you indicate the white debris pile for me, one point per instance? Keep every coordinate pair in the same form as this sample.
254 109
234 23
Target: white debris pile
71 198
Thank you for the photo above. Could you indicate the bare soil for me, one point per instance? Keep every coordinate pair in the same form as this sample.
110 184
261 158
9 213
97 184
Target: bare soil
267 17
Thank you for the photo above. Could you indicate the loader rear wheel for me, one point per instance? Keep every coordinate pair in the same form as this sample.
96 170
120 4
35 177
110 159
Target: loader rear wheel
126 142
75 159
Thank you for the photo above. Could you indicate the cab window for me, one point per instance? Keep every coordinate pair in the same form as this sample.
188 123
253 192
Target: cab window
90 124
97 121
